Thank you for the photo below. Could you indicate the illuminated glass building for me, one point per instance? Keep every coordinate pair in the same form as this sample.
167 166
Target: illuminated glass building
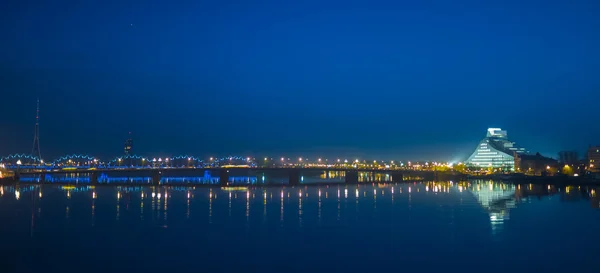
495 151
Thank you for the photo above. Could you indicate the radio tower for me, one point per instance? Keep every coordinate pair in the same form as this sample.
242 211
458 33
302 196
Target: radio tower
35 151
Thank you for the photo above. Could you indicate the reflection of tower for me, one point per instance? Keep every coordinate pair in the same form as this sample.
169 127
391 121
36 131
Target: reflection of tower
128 145
35 151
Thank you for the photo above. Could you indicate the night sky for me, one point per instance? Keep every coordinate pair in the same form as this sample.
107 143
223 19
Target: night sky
384 80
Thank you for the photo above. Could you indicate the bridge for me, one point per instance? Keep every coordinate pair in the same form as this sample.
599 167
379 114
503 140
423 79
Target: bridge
83 161
221 171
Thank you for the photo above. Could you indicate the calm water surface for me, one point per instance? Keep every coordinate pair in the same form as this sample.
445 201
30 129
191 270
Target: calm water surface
418 227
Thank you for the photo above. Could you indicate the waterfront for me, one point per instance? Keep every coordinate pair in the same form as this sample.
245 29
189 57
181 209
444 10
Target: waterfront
477 226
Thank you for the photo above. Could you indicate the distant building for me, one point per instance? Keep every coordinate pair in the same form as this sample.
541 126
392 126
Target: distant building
495 151
593 156
535 164
128 145
568 157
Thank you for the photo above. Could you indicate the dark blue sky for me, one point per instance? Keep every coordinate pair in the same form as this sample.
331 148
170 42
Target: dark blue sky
397 79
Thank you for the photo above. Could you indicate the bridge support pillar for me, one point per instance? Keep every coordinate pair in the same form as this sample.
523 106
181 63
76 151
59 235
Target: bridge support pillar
397 176
224 178
156 175
294 179
351 177
42 178
94 178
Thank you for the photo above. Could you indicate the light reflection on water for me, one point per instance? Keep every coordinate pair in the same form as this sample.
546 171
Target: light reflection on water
340 227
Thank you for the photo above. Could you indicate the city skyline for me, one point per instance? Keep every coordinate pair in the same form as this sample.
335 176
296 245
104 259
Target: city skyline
389 80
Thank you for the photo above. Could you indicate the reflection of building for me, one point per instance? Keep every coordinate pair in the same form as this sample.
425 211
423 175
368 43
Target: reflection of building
128 145
497 200
594 158
535 164
495 151
568 157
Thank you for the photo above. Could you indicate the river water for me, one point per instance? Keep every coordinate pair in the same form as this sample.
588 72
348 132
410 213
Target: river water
477 226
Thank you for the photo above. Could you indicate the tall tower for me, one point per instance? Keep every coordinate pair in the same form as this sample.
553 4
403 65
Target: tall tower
128 145
35 151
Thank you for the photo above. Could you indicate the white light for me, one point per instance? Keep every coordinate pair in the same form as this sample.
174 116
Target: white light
17 195
153 194
19 162
158 195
